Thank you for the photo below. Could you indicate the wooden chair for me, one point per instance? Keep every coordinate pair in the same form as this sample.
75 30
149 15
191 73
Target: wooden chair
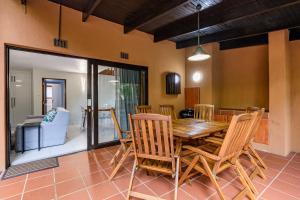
204 112
153 148
168 110
248 149
125 149
143 109
211 164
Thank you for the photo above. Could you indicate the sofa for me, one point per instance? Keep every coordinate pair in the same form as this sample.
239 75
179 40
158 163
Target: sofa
51 133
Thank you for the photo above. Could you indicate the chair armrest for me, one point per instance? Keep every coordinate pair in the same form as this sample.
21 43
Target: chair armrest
215 140
202 153
126 140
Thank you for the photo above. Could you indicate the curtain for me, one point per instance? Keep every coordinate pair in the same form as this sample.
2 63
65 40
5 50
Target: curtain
130 91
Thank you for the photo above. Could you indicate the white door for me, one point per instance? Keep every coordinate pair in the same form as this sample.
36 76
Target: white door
20 95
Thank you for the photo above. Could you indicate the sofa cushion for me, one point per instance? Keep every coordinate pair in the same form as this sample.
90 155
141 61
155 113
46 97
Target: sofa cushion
50 116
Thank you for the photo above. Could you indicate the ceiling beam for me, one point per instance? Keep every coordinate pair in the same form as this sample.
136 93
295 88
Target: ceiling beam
234 34
224 12
90 8
149 11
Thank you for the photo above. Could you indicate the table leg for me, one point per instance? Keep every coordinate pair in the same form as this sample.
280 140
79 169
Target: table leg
39 137
23 139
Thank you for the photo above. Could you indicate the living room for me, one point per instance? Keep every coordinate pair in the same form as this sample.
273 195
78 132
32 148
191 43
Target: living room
48 95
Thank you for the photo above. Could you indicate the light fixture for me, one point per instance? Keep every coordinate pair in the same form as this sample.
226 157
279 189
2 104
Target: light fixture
199 54
197 77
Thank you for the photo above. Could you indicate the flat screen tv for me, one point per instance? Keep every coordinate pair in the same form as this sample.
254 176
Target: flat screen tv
173 85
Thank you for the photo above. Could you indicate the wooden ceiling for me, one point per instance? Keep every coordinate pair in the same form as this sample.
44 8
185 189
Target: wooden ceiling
176 20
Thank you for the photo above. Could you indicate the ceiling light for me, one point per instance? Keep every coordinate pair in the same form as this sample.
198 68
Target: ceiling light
199 54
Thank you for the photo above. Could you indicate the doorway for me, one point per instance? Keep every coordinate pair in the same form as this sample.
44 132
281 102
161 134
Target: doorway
46 92
115 86
54 94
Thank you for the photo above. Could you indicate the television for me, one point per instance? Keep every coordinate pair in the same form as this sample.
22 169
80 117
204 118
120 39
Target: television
173 85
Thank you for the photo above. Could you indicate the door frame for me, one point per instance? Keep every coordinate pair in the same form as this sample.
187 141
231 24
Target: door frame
90 61
44 92
94 68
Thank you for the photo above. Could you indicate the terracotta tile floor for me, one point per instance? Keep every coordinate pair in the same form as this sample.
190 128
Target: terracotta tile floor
83 176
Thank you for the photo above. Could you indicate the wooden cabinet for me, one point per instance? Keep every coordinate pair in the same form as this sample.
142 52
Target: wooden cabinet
192 97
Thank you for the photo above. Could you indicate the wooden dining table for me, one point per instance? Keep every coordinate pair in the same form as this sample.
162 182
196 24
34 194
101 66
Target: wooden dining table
191 128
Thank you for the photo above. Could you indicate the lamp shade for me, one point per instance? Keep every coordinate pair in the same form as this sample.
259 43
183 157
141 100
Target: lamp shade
199 55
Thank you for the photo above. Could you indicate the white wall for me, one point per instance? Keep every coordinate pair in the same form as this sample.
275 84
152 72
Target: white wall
75 91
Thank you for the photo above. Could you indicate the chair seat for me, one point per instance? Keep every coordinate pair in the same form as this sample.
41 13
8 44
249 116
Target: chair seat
155 165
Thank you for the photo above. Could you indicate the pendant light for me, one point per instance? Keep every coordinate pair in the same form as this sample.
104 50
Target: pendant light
199 53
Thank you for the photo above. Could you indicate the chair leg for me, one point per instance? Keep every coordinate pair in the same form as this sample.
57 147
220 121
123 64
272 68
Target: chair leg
246 177
188 170
176 178
256 156
257 169
132 178
116 169
212 178
247 190
117 154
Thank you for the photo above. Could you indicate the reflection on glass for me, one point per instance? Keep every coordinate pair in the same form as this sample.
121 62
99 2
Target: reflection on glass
121 89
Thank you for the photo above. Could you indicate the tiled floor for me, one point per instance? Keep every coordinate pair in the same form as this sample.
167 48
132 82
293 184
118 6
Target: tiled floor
83 176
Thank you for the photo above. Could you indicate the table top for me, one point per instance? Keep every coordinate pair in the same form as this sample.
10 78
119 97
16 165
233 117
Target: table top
192 128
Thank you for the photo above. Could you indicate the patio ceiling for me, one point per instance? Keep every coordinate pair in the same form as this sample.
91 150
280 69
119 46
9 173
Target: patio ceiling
176 20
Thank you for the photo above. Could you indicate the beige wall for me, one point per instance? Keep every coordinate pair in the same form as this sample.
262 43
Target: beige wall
279 92
96 38
295 94
244 77
235 78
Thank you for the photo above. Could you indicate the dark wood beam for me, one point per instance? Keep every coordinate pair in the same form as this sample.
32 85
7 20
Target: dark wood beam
90 8
225 12
234 34
150 11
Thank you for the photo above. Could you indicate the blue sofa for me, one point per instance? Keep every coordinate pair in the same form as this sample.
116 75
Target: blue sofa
52 133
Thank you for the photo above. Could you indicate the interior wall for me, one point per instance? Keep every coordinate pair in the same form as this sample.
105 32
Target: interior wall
295 94
75 92
96 38
244 77
235 78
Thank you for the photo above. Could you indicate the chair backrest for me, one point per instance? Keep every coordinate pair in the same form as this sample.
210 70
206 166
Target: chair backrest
143 109
260 114
204 112
237 134
152 136
168 110
116 123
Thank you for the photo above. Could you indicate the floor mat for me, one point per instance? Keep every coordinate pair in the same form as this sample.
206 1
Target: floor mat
18 170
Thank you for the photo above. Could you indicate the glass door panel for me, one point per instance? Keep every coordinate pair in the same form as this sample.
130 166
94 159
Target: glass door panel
118 88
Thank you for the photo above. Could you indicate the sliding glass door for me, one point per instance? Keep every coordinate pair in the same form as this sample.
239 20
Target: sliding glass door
114 86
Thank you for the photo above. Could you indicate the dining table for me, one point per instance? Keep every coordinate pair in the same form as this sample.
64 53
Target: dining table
190 129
